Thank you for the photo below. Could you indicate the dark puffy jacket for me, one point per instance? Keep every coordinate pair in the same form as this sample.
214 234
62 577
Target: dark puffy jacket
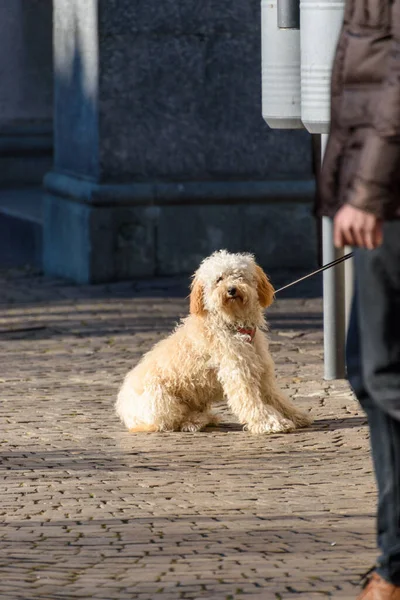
362 159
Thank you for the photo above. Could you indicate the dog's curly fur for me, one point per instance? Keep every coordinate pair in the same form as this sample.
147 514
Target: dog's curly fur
213 355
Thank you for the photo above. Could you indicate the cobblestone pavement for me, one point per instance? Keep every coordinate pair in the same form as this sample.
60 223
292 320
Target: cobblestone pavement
90 511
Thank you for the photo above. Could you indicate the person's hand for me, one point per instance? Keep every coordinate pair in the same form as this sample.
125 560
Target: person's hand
355 227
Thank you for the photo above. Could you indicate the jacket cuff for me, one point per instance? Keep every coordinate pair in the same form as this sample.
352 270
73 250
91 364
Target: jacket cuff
367 196
378 168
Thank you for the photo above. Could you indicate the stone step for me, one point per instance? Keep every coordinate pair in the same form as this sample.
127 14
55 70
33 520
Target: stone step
21 227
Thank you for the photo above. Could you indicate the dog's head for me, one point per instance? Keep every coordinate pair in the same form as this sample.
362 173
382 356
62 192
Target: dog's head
232 286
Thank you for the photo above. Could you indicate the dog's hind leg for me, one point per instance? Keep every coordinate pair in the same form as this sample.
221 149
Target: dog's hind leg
143 428
153 410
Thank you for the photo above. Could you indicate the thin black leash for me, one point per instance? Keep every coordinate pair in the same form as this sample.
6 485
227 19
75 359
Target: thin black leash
328 266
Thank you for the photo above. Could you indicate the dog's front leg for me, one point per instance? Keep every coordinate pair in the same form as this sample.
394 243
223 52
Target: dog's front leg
242 389
273 396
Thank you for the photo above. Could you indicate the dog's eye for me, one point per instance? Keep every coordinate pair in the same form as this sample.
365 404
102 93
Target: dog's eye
219 279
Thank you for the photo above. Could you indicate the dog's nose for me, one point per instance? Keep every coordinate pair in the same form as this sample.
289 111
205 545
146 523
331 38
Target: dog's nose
232 291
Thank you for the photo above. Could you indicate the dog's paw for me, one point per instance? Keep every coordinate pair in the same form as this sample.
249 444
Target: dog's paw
192 427
198 421
301 419
272 425
214 420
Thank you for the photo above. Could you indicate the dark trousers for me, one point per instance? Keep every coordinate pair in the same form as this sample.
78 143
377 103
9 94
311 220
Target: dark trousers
373 367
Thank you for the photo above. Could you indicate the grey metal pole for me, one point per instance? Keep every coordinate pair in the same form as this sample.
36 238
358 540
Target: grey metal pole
334 301
348 285
289 14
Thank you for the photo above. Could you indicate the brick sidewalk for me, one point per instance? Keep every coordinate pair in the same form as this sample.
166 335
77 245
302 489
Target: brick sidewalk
89 511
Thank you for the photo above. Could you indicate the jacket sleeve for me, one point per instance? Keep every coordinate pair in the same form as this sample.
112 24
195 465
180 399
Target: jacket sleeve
379 162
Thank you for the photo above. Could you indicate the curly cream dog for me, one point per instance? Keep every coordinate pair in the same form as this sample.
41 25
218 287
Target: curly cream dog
219 351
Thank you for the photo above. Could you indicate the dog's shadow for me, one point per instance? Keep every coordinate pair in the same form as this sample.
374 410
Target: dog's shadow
226 427
318 425
334 424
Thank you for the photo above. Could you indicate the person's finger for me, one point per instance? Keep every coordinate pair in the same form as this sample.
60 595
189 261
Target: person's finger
347 237
338 239
358 235
373 233
370 239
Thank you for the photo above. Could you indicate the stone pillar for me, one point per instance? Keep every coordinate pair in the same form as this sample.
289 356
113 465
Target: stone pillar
161 154
26 91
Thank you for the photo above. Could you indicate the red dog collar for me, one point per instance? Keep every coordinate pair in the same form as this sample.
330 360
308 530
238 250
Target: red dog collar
249 332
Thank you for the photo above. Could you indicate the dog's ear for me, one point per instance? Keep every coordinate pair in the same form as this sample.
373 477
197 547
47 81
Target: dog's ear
197 299
264 288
